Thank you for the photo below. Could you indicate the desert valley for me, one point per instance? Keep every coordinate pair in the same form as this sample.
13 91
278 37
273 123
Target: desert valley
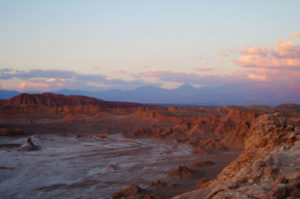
155 99
82 147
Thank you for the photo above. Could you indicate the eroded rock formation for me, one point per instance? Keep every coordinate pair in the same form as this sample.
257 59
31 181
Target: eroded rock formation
182 171
132 192
269 166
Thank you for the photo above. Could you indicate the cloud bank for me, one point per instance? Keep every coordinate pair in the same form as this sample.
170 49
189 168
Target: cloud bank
284 55
47 80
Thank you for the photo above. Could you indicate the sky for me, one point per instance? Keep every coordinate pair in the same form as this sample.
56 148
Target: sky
126 44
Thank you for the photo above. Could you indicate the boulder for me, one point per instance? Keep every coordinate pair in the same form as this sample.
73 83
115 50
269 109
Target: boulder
28 146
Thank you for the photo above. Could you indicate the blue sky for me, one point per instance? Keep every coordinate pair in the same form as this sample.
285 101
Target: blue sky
145 42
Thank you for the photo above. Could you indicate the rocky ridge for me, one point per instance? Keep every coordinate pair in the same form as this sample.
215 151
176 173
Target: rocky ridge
269 166
217 131
53 103
53 100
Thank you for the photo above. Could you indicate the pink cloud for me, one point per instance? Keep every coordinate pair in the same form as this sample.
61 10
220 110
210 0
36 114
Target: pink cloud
120 71
257 77
51 80
60 84
295 35
21 86
223 54
203 69
154 73
263 75
285 55
208 79
109 78
287 49
96 67
31 86
254 51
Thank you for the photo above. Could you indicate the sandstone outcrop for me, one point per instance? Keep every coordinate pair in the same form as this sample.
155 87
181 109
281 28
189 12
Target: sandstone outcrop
207 132
201 182
269 166
181 171
132 192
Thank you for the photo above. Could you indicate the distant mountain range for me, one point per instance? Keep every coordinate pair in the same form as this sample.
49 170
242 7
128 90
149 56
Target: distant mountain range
186 94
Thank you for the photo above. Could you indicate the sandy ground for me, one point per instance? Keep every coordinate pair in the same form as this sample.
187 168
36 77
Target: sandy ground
70 167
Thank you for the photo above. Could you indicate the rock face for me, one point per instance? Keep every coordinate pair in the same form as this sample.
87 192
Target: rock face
207 131
269 166
28 146
182 171
201 182
132 192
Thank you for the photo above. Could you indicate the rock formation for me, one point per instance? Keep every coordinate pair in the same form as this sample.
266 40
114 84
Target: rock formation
53 103
28 146
269 166
216 130
132 192
182 171
54 100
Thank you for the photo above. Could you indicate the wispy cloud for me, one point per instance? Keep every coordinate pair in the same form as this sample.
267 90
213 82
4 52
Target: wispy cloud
37 73
120 71
223 54
207 79
261 51
295 35
257 77
203 69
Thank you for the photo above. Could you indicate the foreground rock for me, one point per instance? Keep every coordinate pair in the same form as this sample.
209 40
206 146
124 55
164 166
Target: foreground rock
28 146
269 167
132 192
182 171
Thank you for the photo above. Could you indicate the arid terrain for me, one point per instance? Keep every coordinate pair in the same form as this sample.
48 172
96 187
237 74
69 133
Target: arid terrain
88 148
